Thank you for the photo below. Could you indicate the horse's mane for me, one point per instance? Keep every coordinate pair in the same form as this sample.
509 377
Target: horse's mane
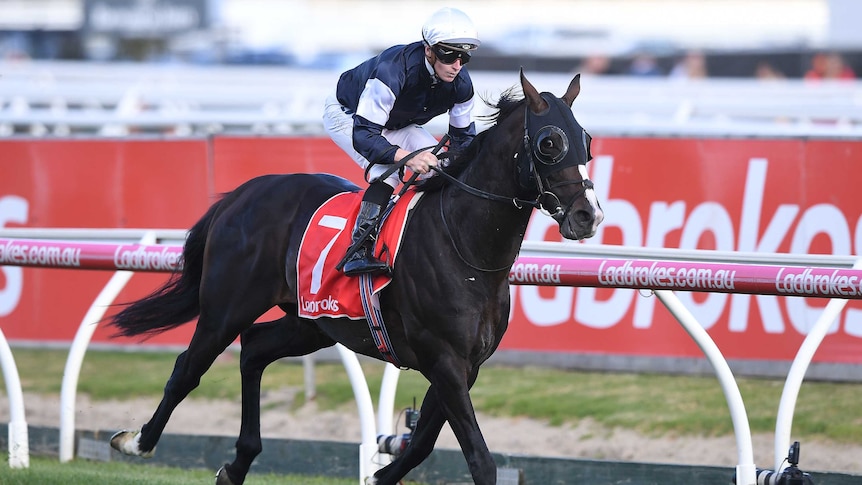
459 160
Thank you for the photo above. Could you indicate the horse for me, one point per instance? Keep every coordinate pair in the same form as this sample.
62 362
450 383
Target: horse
446 308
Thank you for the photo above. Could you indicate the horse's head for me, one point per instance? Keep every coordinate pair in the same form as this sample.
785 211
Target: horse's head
553 161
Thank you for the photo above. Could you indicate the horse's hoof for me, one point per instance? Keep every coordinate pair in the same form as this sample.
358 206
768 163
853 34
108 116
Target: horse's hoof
222 477
127 442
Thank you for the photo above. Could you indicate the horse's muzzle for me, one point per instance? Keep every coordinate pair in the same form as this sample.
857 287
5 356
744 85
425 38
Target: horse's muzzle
580 223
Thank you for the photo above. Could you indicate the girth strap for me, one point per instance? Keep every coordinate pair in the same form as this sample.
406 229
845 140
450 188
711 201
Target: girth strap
374 317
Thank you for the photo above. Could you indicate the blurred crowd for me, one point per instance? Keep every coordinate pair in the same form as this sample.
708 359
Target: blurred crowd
694 64
829 65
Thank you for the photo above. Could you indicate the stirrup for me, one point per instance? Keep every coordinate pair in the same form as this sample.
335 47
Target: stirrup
353 252
362 262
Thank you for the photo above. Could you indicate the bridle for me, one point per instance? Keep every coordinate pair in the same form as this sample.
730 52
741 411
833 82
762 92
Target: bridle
535 161
542 157
530 173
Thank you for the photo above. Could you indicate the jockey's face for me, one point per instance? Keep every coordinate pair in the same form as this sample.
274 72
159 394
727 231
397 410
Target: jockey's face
446 72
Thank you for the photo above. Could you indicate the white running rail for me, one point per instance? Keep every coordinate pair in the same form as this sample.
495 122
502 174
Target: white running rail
72 98
576 265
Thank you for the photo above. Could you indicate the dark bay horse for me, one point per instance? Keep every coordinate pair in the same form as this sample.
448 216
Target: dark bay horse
448 304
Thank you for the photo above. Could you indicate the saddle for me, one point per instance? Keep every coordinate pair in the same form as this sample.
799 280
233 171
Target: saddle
323 291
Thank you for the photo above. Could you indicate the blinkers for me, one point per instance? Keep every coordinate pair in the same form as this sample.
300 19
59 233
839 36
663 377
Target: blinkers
547 150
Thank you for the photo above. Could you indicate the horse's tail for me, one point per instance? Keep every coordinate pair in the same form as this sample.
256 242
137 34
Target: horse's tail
176 302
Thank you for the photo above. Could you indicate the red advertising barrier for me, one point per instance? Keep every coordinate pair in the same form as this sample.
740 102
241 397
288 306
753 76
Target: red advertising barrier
787 196
91 184
237 159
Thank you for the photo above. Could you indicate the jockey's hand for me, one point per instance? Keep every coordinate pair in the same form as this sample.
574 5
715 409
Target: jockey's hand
422 162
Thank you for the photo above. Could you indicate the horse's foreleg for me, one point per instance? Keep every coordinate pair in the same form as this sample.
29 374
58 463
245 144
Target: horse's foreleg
454 398
263 344
431 420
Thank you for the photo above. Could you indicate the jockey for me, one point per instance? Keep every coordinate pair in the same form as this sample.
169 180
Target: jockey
378 109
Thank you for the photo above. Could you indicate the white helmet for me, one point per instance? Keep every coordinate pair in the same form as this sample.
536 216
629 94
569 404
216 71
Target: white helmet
450 26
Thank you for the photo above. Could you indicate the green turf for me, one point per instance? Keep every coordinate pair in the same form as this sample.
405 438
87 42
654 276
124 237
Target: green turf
49 471
653 404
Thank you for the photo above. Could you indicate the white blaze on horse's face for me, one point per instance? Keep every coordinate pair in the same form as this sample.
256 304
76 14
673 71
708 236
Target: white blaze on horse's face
590 194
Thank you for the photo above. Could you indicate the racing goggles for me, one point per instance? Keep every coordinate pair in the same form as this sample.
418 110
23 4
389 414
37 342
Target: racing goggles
448 54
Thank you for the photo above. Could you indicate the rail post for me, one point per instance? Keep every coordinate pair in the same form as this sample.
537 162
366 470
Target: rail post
745 468
19 441
368 446
77 351
787 403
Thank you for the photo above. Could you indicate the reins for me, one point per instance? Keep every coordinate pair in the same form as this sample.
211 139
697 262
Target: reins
398 166
519 203
455 246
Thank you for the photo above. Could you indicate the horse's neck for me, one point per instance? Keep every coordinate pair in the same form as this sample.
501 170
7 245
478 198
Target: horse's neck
490 231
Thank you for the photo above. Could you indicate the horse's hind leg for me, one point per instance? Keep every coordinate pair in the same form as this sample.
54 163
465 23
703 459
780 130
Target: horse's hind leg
225 313
263 344
190 366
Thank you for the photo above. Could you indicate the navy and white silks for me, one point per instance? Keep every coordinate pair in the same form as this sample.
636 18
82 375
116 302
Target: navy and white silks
393 95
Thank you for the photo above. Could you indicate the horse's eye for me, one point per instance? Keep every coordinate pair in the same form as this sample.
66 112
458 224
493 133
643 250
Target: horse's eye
546 147
551 145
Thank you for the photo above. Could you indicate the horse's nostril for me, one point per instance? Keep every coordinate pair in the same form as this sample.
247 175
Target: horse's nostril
583 217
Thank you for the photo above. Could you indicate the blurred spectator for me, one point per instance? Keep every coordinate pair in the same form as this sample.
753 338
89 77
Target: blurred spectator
595 64
767 71
644 64
829 65
692 66
14 46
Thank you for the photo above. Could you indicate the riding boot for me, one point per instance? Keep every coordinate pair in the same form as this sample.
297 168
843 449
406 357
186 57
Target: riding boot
362 260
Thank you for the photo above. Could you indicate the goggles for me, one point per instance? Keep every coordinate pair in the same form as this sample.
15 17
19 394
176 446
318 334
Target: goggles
448 54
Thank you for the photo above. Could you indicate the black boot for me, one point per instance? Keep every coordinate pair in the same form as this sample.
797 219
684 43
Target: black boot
362 260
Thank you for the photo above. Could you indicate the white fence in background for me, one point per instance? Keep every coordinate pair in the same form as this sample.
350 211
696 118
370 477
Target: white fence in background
579 264
72 98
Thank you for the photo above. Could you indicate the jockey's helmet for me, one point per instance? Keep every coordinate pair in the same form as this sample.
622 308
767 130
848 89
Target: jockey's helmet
451 27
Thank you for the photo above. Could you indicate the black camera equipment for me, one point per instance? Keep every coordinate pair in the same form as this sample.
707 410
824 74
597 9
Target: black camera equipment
791 475
396 444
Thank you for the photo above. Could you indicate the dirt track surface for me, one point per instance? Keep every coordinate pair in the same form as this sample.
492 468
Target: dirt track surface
504 435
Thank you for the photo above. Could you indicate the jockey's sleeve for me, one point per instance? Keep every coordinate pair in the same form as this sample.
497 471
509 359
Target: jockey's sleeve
372 113
459 114
461 137
368 140
462 130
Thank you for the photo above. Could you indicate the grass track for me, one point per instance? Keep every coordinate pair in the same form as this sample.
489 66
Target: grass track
49 471
652 404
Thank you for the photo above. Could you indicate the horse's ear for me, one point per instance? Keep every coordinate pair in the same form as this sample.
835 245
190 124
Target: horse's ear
535 101
573 91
